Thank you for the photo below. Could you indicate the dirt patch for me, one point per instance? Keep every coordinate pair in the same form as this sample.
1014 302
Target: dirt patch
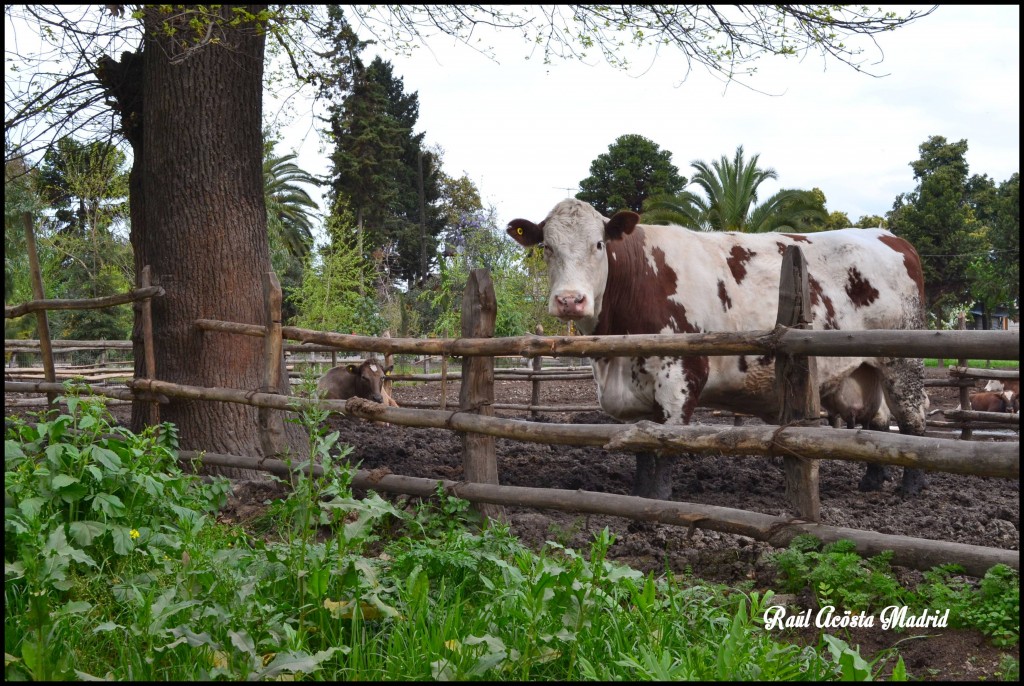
966 509
975 510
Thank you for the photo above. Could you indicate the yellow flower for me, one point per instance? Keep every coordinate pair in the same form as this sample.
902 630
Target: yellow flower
134 533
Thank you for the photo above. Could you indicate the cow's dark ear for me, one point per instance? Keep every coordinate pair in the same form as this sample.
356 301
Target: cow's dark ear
387 370
621 223
525 232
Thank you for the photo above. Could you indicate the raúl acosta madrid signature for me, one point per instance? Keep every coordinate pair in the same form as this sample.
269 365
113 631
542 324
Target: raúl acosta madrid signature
891 617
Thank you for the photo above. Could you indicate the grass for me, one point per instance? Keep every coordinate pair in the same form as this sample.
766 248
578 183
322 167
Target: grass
116 568
976 364
837 576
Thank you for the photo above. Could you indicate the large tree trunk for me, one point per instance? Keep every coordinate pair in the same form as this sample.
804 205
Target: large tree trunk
199 220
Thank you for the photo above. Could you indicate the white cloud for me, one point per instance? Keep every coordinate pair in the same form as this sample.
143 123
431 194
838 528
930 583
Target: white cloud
524 131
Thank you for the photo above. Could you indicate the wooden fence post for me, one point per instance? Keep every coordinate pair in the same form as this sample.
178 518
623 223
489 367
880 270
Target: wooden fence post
389 360
444 382
479 313
535 391
271 422
45 350
965 391
796 381
149 350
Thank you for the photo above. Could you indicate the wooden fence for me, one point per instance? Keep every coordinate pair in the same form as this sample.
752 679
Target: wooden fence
800 446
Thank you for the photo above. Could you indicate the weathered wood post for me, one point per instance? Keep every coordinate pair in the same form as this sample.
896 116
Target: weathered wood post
535 391
45 350
796 382
271 422
479 313
965 391
149 350
389 360
444 382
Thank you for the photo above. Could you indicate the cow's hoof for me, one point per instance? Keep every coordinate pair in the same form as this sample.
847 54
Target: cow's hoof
873 478
914 481
653 477
658 493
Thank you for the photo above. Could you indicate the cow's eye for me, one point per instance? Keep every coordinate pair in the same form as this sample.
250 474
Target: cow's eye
600 246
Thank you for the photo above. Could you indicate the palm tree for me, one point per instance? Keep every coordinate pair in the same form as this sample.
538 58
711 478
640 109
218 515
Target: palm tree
730 201
289 207
289 220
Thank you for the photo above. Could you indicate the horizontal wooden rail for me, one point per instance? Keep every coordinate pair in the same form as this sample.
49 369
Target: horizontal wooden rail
957 457
975 415
83 303
32 344
974 373
916 553
993 345
52 387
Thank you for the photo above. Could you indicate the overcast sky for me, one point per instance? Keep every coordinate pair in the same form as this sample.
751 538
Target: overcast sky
524 131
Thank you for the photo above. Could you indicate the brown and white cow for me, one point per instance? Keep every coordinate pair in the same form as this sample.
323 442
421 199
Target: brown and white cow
996 385
363 380
616 276
995 401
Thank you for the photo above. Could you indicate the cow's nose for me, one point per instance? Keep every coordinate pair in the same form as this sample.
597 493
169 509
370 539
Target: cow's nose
570 303
377 398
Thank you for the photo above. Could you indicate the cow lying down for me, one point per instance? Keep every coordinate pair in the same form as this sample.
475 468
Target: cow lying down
1002 401
617 276
364 380
1007 385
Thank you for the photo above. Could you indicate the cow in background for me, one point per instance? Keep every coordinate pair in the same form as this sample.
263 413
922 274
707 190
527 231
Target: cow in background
364 380
1002 401
617 276
996 385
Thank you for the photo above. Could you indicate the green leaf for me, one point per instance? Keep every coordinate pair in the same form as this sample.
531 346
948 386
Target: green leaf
107 458
30 507
296 662
84 532
73 607
243 642
12 450
109 504
123 543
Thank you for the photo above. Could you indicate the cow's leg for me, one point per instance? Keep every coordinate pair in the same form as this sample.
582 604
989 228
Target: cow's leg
876 474
677 385
653 478
904 393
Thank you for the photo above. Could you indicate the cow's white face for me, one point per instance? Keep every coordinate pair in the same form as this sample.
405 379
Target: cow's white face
575 242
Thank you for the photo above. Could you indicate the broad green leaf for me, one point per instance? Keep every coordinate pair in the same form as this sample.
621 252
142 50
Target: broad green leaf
123 543
109 504
84 532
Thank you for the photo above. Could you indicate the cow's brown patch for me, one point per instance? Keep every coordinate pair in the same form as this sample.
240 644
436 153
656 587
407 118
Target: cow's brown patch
782 247
911 260
798 237
860 290
637 297
695 376
738 257
765 360
723 296
817 296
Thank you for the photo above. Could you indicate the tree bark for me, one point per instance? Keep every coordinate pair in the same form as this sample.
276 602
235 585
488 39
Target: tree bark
199 219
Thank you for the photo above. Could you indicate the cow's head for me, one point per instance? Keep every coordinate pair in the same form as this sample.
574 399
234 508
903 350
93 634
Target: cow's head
369 379
575 237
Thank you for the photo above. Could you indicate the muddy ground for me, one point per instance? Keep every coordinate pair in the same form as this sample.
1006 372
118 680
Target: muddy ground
975 510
